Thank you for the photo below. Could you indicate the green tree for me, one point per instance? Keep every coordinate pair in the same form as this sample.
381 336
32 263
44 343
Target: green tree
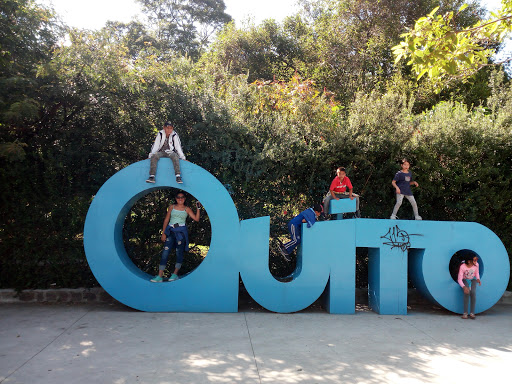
28 35
264 52
134 36
185 26
343 46
441 48
353 40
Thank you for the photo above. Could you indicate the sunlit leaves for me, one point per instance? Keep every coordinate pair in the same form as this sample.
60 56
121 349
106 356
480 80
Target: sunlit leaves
437 48
287 97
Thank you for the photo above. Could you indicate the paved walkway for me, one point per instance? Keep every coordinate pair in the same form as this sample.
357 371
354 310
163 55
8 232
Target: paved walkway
110 343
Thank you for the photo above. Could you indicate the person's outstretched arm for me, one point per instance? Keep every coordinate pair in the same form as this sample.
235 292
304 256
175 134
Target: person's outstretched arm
193 216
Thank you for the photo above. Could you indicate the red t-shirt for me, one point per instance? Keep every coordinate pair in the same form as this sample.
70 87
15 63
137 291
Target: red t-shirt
340 186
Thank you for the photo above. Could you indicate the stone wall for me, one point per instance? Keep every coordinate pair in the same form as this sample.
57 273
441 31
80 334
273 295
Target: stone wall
79 295
98 295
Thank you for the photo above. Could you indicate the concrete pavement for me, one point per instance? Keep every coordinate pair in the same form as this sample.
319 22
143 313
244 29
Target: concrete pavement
110 343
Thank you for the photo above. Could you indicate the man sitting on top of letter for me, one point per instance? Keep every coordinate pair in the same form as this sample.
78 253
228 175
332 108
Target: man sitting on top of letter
167 144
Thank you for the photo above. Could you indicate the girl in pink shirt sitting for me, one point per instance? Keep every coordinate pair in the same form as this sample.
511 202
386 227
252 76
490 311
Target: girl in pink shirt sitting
469 276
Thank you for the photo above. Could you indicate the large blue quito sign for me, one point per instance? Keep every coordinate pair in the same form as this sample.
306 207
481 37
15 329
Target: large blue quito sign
326 262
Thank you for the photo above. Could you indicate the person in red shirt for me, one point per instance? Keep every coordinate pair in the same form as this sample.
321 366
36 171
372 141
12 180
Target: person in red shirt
338 190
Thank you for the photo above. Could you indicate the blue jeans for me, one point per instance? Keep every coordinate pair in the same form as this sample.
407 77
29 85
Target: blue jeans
170 244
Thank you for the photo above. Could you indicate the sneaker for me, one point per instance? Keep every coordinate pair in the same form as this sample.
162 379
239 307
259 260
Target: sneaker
472 316
393 217
418 218
324 217
151 179
173 277
357 215
178 180
283 252
465 316
157 279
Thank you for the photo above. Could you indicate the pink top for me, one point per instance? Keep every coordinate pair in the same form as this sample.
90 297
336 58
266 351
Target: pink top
469 273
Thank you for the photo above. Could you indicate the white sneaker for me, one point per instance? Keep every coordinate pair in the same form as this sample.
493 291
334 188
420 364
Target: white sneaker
393 217
418 218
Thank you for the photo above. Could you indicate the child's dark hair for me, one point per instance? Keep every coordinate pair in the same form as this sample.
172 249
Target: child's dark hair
318 208
468 258
403 160
341 169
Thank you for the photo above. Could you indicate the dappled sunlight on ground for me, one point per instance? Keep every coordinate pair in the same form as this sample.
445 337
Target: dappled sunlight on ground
220 368
117 345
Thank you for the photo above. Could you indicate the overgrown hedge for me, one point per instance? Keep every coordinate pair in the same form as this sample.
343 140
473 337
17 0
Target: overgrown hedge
276 144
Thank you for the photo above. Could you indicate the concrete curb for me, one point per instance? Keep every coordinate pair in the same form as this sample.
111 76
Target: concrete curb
98 295
78 295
